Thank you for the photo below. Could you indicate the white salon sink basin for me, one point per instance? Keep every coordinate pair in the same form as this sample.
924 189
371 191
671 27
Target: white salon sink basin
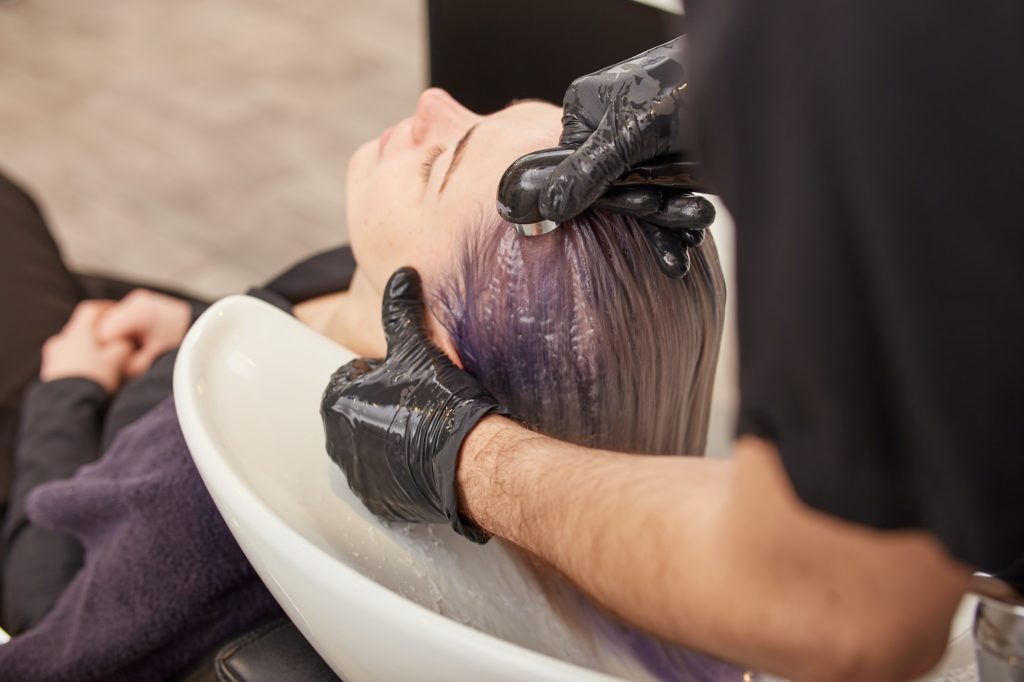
378 603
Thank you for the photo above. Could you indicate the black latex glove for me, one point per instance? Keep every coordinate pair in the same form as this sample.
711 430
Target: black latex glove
617 118
395 426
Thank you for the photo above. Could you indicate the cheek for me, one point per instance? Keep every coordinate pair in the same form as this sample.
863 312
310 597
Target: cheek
372 246
388 236
357 187
375 205
391 224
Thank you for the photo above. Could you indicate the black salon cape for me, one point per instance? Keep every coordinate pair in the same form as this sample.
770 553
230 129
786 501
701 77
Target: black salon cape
872 155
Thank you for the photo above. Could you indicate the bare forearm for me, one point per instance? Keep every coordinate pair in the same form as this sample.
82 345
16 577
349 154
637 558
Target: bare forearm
581 511
608 521
717 555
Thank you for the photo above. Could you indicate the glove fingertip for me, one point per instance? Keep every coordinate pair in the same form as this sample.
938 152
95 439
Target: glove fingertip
669 249
403 283
704 210
685 212
402 309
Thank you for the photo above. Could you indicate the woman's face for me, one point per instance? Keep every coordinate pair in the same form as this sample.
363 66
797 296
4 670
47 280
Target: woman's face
411 190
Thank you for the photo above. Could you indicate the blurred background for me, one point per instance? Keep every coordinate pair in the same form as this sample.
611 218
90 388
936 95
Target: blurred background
202 145
199 144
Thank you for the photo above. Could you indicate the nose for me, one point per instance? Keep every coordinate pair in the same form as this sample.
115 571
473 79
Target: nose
436 111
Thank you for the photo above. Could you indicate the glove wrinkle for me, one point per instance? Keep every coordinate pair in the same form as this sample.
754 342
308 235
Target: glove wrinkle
614 119
395 426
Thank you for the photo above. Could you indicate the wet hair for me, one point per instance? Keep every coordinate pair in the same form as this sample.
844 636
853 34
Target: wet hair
583 338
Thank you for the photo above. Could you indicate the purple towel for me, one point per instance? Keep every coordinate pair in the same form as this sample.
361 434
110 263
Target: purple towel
164 581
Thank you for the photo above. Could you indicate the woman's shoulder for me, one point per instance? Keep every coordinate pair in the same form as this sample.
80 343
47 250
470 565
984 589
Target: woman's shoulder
322 273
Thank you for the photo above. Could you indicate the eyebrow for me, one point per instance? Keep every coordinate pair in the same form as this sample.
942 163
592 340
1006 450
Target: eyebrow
460 147
460 150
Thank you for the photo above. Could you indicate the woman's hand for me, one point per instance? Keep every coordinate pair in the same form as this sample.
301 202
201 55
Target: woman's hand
77 351
153 323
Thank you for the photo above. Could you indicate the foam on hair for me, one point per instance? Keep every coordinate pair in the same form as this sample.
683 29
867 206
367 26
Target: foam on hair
583 338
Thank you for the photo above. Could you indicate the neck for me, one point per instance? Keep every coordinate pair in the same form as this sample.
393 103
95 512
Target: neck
353 319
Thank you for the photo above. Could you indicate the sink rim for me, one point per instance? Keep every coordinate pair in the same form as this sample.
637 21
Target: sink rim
230 492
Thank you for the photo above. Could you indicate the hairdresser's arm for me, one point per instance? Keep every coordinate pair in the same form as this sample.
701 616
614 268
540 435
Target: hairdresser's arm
717 555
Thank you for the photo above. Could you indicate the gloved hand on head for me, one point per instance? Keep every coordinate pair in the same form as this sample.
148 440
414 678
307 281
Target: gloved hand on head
616 118
395 426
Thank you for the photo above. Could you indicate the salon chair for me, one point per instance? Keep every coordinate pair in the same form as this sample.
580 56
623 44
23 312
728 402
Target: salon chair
275 652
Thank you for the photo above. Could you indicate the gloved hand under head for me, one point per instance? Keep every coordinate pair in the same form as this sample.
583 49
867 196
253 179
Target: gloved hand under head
395 426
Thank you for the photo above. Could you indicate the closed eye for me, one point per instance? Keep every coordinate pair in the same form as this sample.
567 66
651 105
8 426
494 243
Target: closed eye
428 165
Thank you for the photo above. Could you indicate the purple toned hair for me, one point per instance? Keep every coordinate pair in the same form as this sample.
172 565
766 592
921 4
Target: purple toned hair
583 338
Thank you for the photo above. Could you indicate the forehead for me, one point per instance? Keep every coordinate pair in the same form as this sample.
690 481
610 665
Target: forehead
498 140
536 116
515 130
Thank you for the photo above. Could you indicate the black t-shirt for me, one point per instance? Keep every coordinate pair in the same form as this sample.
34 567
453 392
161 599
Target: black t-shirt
872 155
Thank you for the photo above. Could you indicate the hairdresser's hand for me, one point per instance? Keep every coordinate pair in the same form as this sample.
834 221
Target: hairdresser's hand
617 118
77 351
152 322
395 426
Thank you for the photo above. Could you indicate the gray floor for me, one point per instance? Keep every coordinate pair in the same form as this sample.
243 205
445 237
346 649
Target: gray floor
199 144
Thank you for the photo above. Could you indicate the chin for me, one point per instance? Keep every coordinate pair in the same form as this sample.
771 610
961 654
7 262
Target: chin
356 235
355 190
360 165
